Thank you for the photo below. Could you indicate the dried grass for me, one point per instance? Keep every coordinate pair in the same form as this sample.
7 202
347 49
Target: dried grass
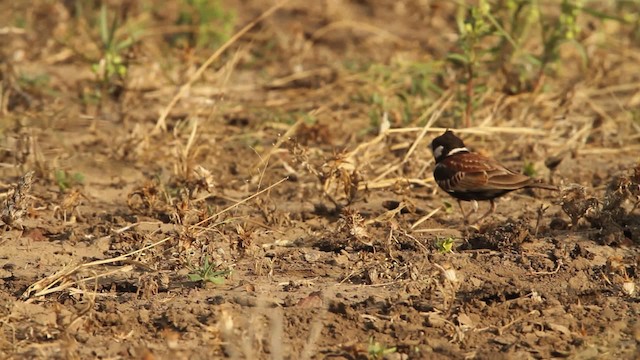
72 277
161 123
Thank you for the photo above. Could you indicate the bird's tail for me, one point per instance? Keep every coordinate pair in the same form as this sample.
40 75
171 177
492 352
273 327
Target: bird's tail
538 184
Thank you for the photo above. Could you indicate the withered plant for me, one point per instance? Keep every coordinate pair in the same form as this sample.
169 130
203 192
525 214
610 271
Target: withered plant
244 240
67 209
185 154
354 226
145 199
339 176
17 202
576 203
613 214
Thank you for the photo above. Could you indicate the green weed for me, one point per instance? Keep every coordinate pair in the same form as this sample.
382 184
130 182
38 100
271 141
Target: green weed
111 66
445 245
208 272
529 169
448 207
498 37
213 23
376 350
66 180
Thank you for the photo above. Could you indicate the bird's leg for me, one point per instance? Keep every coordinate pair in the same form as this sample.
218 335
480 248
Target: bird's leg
464 216
491 210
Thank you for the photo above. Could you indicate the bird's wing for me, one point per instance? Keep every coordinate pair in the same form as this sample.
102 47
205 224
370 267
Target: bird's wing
481 173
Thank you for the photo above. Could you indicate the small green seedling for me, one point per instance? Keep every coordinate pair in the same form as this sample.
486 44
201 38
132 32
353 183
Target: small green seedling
111 64
445 246
207 273
66 180
529 169
448 208
377 350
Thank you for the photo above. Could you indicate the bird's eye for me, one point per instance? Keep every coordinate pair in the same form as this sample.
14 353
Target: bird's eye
437 152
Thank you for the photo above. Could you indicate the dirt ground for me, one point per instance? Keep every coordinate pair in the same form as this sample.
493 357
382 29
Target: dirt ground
297 166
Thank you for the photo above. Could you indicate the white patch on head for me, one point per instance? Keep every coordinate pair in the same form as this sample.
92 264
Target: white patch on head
457 150
437 152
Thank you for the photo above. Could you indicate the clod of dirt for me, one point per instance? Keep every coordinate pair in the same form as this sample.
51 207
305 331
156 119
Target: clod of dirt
508 236
313 300
558 224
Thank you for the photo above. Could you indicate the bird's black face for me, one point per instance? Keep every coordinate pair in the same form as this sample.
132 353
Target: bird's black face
447 144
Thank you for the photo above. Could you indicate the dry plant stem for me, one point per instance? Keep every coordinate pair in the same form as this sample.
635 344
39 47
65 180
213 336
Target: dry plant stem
432 230
435 116
469 106
161 124
290 131
60 280
444 100
478 130
431 109
421 245
356 25
384 183
602 151
185 153
426 217
283 81
516 320
241 202
47 285
555 271
387 215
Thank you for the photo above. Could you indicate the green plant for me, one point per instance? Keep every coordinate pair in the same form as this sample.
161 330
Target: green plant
66 180
207 272
213 24
448 207
376 350
473 27
554 32
529 169
34 80
111 65
402 89
445 245
500 36
36 83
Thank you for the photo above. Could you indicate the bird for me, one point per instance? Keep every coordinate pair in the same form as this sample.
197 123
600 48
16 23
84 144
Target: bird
469 176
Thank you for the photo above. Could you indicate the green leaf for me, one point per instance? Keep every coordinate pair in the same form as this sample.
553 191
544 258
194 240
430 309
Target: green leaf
104 31
218 280
454 57
532 59
602 16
